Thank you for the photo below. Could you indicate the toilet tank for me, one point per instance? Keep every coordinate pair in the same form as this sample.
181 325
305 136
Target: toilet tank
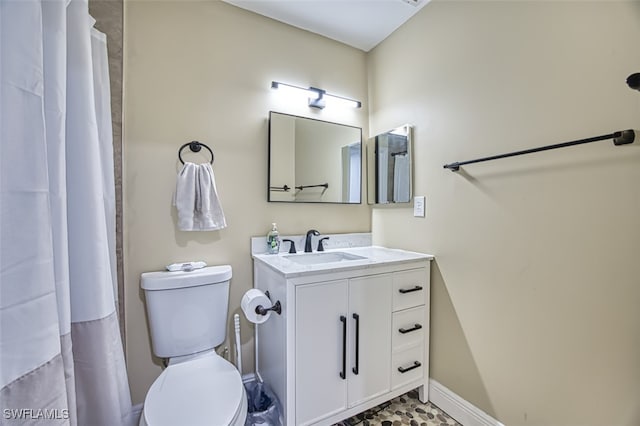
187 311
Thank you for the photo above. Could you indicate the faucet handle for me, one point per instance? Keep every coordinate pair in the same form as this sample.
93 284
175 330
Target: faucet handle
292 246
320 246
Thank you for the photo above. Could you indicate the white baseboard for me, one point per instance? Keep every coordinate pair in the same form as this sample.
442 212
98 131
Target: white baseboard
455 406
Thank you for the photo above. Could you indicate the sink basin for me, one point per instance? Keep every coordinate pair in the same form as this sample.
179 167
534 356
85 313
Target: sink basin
323 257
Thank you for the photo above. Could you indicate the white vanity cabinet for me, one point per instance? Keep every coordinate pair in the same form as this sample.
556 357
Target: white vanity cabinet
347 340
342 342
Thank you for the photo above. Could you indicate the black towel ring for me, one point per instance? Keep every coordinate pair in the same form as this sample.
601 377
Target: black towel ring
194 146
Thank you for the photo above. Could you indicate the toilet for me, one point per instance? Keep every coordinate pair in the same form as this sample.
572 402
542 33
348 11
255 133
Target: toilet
187 314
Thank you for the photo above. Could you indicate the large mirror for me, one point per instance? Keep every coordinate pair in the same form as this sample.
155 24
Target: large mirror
389 168
313 161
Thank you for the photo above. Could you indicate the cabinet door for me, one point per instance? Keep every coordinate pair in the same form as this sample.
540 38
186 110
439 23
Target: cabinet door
320 336
370 337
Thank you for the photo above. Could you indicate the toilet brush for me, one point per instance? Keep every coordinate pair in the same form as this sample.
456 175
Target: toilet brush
236 321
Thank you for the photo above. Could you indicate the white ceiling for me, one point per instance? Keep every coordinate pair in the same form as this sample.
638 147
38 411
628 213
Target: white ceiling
359 23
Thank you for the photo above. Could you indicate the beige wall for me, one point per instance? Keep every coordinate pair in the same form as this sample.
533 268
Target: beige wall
282 167
319 159
536 295
202 70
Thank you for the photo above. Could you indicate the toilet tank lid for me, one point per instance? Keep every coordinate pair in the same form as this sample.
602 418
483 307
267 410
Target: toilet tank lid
165 280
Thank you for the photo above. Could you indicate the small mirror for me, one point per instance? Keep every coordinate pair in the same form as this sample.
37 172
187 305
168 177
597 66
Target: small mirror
313 161
390 167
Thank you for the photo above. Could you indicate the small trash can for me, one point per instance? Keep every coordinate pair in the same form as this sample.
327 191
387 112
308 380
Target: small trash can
263 405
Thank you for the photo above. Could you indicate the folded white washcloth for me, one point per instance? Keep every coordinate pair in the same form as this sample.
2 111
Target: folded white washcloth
196 199
186 266
209 215
185 196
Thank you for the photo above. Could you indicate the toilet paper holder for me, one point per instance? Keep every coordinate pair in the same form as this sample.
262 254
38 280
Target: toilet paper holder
277 307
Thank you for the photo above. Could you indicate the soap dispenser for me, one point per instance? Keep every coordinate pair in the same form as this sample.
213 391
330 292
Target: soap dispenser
273 240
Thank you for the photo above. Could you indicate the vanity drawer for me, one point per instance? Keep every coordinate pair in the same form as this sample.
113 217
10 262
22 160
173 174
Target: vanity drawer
407 366
408 328
409 288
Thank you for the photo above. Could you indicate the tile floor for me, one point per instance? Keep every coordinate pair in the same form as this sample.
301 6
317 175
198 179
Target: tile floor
403 410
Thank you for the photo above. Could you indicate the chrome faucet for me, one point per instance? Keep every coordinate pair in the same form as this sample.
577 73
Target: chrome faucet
307 243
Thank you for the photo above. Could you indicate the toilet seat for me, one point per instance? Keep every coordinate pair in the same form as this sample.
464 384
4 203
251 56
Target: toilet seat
205 391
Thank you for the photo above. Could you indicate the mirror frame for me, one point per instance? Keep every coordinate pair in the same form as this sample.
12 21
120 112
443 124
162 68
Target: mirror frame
269 156
372 168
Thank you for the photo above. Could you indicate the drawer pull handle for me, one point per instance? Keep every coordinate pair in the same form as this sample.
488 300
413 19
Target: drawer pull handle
409 330
416 364
410 290
357 367
343 373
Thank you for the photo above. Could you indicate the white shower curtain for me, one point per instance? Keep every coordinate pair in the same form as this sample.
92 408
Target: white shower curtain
61 358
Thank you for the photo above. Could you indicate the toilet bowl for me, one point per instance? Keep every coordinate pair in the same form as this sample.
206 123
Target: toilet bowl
187 312
205 391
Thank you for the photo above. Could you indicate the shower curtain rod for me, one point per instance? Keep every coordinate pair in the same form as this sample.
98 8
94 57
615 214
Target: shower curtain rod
622 137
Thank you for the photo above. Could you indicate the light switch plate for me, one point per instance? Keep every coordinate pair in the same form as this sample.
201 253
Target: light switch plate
419 206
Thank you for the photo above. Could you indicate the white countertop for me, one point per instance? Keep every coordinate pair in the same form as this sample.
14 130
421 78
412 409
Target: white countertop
374 256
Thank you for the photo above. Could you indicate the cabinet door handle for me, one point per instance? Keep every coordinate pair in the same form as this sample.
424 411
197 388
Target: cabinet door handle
409 330
356 368
343 373
409 290
416 364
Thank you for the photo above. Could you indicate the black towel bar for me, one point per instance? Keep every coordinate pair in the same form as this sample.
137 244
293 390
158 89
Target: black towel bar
323 185
622 137
283 188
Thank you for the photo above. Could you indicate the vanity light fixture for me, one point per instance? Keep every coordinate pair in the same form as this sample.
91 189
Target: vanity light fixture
317 98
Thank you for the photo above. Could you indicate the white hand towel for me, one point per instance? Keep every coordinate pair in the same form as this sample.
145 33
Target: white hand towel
185 196
401 179
208 212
